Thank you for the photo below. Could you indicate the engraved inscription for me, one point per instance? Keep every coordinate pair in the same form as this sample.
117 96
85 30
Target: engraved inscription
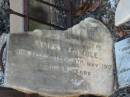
60 63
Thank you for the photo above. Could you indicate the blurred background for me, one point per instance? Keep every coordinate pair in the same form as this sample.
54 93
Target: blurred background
27 15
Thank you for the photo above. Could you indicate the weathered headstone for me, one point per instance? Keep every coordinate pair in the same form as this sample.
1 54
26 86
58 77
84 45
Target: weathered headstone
122 14
122 51
60 63
122 56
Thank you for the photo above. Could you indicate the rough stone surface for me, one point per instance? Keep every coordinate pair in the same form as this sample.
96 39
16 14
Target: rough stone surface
122 14
122 52
60 63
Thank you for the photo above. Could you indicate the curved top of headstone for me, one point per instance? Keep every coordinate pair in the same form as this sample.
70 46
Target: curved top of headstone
62 63
122 14
90 26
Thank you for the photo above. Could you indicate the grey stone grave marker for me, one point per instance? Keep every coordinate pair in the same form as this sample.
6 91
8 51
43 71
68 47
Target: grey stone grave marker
62 63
